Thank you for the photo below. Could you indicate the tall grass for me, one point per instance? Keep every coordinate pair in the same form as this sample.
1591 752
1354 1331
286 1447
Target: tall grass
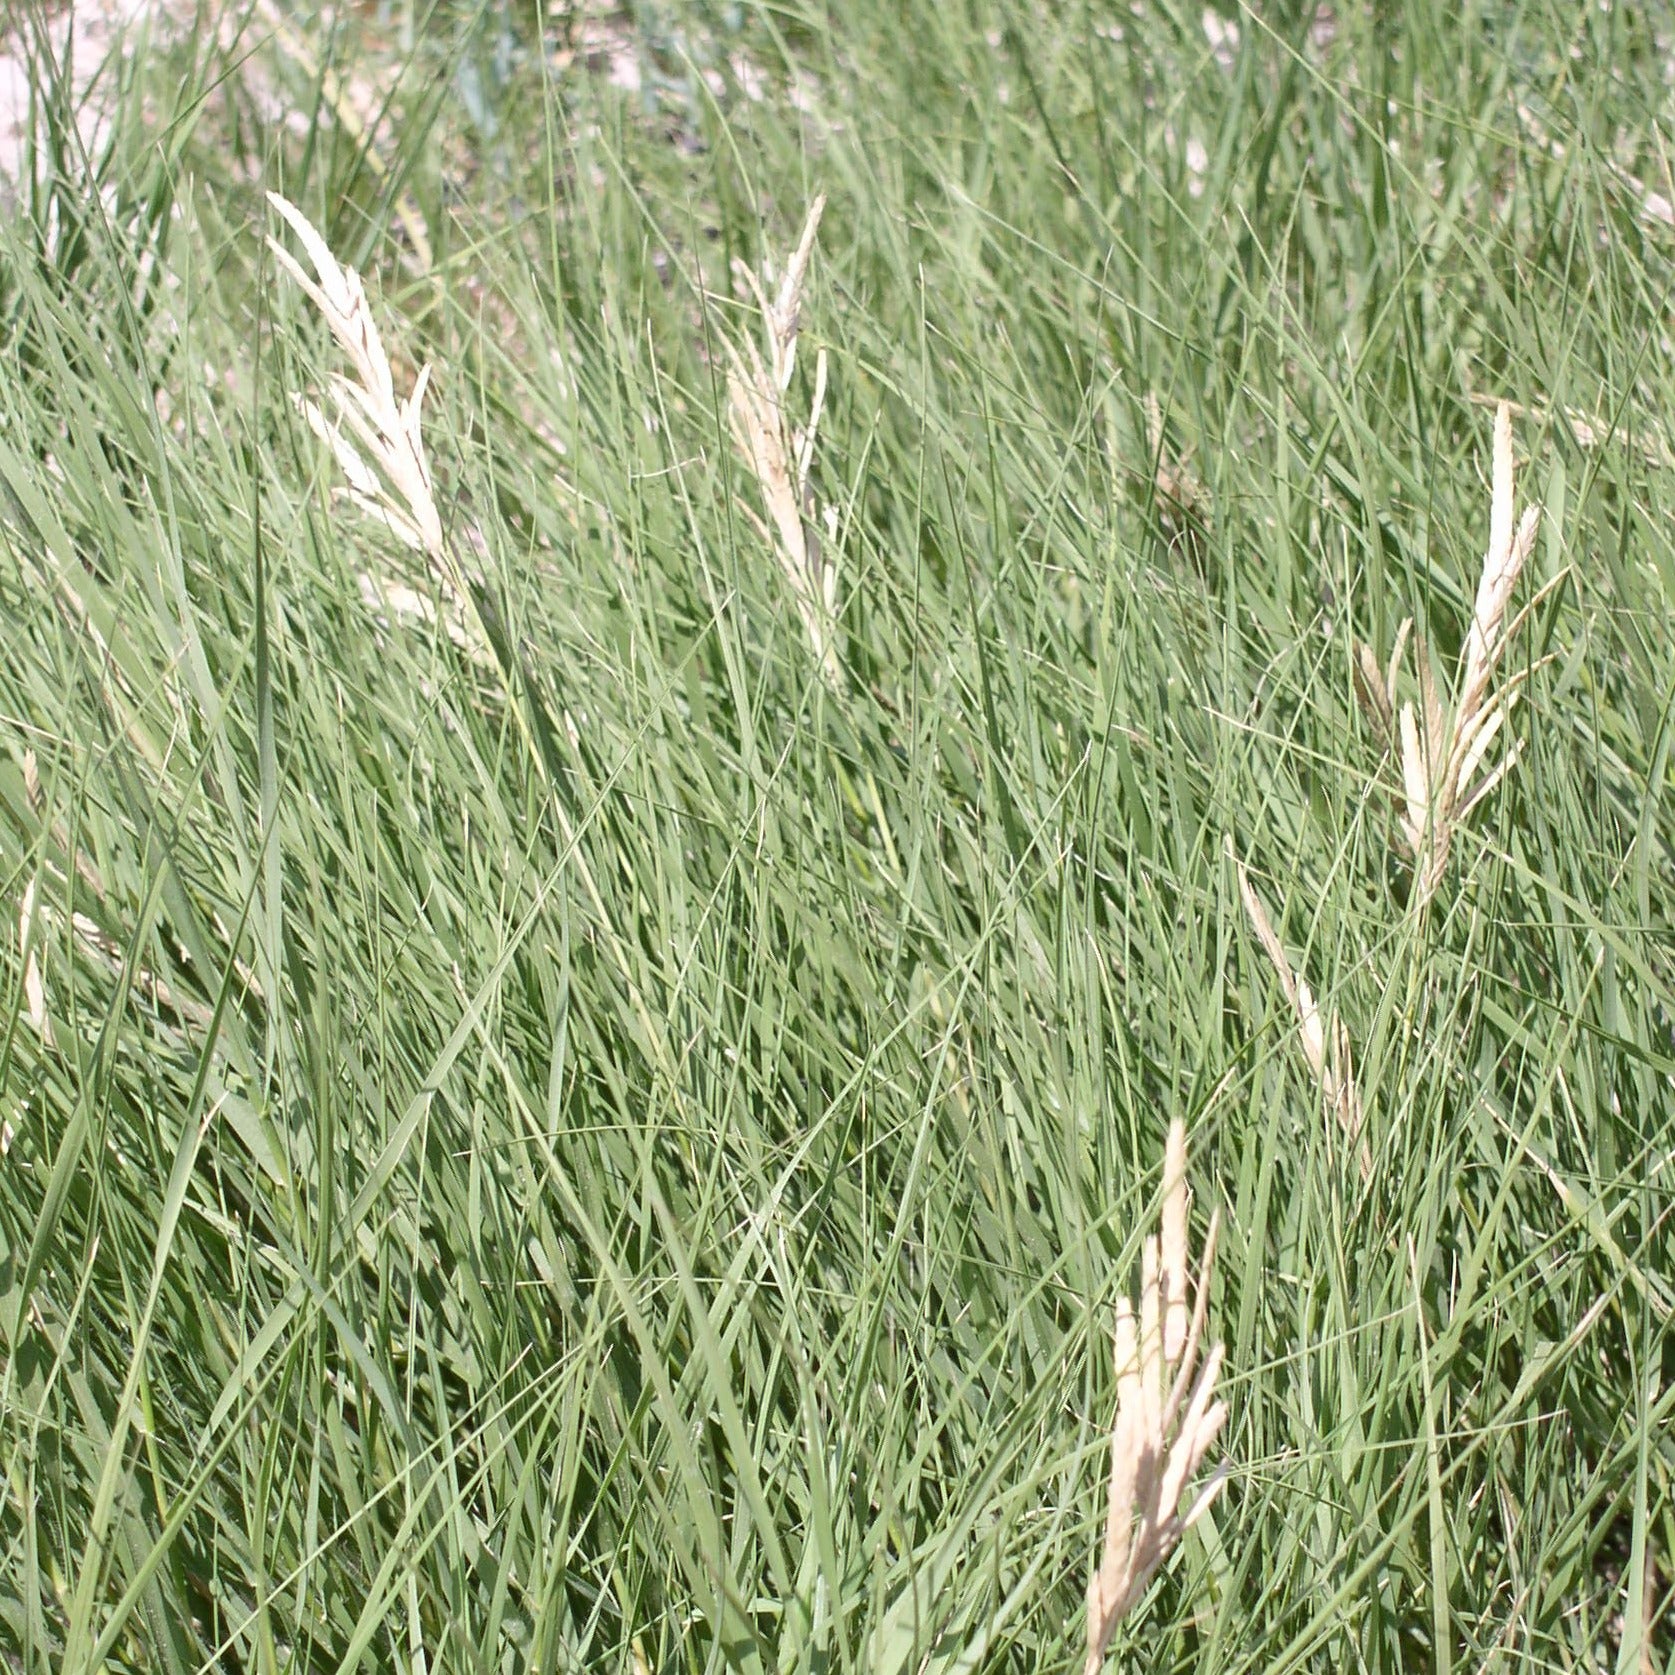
548 1129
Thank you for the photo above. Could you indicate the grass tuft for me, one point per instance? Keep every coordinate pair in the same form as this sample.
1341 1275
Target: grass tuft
526 1144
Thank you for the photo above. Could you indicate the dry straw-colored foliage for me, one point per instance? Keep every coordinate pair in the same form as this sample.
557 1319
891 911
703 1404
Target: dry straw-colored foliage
780 455
1445 753
1324 1039
1168 1414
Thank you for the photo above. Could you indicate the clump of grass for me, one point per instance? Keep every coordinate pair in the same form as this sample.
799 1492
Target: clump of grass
1167 1419
780 454
1324 1038
1445 753
630 1226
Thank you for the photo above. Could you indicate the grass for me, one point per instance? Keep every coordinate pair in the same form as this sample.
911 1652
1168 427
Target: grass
545 1131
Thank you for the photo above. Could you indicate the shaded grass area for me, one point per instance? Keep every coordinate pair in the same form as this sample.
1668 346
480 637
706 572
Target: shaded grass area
621 1153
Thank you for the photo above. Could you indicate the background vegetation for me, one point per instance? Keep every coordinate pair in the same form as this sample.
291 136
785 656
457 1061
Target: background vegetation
619 1154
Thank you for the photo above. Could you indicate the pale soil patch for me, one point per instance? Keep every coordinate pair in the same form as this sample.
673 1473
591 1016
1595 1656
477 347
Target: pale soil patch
87 32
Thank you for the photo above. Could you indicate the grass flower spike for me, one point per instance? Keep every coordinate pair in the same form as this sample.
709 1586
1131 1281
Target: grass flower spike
1325 1040
34 989
781 456
375 437
1167 1418
367 408
1444 755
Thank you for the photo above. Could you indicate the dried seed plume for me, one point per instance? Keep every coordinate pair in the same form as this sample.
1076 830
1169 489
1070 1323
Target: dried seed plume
1324 1039
780 455
1444 752
1168 1415
34 989
374 435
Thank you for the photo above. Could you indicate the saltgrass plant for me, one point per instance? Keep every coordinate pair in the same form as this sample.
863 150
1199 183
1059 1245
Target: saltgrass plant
597 1161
